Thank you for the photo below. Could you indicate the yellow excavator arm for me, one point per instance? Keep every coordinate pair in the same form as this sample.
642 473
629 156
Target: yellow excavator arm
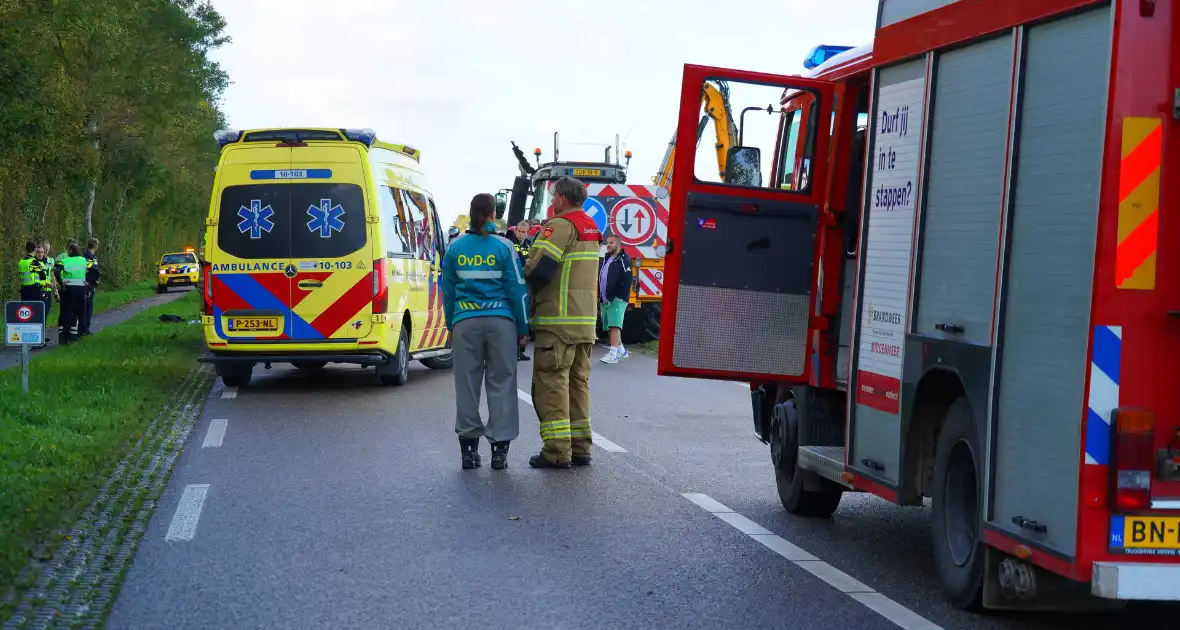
715 102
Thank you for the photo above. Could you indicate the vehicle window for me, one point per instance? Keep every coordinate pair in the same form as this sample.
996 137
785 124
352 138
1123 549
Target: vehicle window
415 204
327 220
436 225
542 200
748 124
395 228
255 221
178 259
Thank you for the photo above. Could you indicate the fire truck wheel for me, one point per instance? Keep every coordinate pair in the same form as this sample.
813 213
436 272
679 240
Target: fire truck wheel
956 523
788 477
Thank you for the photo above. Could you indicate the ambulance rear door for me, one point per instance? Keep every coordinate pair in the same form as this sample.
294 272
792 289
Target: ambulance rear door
331 256
741 254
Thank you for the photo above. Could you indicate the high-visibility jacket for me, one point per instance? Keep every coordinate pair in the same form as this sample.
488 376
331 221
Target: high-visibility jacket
481 278
566 304
71 270
27 269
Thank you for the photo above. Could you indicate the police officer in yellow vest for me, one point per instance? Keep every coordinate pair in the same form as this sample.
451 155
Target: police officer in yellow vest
562 272
32 274
71 276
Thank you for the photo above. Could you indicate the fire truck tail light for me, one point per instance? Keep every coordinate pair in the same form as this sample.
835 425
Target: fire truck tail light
1134 459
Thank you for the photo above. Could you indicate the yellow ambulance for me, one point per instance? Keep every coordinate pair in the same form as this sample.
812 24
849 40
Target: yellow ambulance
321 246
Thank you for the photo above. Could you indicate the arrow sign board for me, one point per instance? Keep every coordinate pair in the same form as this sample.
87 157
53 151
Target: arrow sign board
596 211
633 220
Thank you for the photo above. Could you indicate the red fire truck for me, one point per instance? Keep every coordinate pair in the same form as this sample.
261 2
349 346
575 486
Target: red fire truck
949 280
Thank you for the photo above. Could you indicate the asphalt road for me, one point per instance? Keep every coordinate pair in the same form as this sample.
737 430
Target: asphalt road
321 500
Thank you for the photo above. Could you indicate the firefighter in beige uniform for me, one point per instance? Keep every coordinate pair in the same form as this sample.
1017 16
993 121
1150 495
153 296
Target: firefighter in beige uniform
562 272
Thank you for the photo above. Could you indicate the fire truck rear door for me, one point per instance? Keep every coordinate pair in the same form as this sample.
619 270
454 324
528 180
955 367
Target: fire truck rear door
741 256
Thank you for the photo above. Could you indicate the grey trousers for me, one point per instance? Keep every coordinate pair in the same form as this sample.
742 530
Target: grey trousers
485 354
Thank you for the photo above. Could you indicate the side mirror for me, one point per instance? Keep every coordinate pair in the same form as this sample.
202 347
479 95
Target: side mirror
501 204
743 166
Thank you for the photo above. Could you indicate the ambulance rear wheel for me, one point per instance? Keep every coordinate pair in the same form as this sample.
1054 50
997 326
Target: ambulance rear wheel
235 374
396 371
635 326
445 362
956 518
788 477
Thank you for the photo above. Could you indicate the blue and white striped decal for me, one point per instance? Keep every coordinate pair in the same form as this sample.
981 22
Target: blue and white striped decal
310 173
1105 365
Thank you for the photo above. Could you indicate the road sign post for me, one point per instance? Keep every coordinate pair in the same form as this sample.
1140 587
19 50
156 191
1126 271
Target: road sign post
24 326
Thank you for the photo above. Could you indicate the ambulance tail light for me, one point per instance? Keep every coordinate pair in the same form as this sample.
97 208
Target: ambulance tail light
1133 460
380 286
207 295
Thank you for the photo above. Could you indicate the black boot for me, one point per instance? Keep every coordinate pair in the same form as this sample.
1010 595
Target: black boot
469 450
539 461
499 455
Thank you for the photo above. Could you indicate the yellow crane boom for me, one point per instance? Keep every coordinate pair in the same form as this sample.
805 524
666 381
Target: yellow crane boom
715 102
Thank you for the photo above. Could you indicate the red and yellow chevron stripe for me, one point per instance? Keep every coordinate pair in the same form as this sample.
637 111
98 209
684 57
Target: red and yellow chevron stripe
1139 202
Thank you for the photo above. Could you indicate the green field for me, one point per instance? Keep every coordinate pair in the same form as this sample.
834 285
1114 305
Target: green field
87 404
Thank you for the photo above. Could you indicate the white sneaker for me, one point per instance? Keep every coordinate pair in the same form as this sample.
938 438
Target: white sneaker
610 357
622 353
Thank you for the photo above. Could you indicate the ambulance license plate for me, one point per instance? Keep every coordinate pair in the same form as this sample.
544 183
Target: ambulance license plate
587 172
1145 535
253 324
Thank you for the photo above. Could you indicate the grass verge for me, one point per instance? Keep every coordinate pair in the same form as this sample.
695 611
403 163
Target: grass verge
648 347
87 404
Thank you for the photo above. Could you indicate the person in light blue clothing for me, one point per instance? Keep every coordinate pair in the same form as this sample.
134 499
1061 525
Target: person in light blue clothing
485 301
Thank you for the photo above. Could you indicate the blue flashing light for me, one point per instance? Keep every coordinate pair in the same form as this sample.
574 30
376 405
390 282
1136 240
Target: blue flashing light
365 136
822 53
226 136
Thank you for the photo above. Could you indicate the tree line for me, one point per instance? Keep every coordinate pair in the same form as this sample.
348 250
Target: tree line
107 115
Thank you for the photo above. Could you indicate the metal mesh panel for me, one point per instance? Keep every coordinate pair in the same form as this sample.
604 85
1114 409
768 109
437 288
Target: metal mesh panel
733 330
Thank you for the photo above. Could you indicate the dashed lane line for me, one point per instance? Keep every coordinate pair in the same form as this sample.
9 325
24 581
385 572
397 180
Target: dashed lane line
188 512
837 579
229 392
216 433
599 441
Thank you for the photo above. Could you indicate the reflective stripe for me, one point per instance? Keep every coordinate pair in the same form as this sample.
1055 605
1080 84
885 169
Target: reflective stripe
565 321
555 430
548 248
566 267
481 275
479 306
581 429
73 282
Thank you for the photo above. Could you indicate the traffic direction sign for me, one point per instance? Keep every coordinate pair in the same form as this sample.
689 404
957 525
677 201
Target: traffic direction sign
633 220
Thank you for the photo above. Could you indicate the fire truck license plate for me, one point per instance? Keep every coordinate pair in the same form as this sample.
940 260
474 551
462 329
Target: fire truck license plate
587 172
253 324
1145 535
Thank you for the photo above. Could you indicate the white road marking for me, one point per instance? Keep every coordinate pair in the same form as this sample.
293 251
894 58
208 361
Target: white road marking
216 433
878 603
229 392
599 441
606 444
188 512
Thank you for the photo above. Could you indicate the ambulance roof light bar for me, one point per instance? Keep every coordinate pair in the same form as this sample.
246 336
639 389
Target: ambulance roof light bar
365 136
226 136
822 53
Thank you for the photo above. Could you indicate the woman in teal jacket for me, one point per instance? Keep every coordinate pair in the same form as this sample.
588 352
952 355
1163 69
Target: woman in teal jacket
486 306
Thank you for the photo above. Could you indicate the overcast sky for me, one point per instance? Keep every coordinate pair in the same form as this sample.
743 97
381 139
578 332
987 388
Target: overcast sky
460 79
